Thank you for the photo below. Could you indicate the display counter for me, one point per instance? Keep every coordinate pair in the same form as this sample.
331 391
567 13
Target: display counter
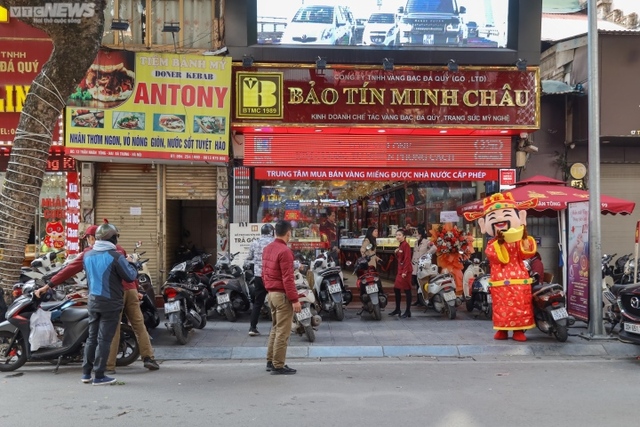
385 250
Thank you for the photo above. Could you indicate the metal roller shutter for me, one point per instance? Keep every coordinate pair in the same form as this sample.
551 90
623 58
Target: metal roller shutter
618 231
190 182
126 194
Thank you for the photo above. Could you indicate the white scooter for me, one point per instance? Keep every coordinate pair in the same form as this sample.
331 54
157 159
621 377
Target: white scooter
437 290
329 286
476 289
305 322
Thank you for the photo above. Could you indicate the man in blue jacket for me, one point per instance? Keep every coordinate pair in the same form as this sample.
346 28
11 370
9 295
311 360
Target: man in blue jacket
106 268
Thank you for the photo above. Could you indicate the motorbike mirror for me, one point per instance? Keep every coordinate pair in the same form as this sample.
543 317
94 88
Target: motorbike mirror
349 263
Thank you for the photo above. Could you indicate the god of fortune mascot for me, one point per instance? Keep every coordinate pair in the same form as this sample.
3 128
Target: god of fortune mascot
505 221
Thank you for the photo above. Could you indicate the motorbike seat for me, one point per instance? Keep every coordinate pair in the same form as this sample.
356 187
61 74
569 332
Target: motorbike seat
617 288
74 314
330 271
51 305
543 287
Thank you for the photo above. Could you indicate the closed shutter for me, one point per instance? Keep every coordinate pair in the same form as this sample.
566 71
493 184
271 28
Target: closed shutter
618 231
190 182
126 195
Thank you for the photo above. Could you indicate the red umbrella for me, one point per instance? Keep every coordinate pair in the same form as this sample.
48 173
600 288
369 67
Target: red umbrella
553 196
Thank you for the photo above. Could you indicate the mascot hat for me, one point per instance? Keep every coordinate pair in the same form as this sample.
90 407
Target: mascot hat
499 201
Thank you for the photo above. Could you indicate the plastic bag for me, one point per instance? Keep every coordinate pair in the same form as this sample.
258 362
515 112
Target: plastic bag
42 333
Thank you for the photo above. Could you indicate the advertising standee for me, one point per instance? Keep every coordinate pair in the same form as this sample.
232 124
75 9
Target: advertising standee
578 261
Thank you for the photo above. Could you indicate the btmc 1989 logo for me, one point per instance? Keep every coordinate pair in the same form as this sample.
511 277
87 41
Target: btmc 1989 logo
259 95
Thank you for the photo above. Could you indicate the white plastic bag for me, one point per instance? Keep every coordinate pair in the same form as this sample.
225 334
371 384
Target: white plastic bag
42 333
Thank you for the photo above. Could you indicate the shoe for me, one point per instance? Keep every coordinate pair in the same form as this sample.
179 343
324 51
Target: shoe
150 364
110 372
406 314
395 312
501 335
104 381
269 366
519 336
285 370
86 379
253 332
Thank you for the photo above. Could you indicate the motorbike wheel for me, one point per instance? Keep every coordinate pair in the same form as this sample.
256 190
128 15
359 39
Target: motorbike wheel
203 317
155 321
561 333
421 300
451 311
469 304
181 333
339 313
311 334
230 314
14 357
376 312
128 349
489 311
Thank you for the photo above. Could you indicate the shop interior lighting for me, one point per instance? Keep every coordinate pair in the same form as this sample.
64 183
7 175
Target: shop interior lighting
521 64
387 64
247 61
452 66
121 26
173 28
321 63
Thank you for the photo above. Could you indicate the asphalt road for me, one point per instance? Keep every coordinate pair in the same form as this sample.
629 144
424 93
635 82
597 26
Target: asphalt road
514 391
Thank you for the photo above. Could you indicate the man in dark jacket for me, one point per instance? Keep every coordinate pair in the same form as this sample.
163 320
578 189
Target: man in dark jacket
277 274
106 268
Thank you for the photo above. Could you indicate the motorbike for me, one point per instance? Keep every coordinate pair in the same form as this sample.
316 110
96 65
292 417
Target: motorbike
305 322
476 288
71 325
41 266
437 290
371 293
185 299
249 279
145 288
229 297
329 285
549 310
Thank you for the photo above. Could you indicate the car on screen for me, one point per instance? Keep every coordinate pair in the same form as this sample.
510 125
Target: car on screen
431 23
380 29
320 24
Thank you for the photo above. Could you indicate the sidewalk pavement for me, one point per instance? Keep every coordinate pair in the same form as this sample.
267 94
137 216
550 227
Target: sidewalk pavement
423 335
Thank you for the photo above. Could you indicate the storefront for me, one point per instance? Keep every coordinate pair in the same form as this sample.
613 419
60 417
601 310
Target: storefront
154 159
386 148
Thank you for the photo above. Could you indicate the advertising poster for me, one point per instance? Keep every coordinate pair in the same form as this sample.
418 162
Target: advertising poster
578 260
388 23
152 105
242 234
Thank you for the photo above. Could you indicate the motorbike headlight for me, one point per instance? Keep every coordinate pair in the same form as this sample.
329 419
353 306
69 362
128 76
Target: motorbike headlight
180 267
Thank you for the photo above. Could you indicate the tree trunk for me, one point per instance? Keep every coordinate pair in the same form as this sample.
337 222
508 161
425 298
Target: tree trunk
75 46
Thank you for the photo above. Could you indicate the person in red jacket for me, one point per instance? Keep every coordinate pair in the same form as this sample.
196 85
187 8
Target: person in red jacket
277 275
403 277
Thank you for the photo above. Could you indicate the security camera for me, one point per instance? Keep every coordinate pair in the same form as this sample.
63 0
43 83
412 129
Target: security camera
219 52
530 149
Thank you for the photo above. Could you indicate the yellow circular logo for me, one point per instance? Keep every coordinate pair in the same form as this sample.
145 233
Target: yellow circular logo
578 170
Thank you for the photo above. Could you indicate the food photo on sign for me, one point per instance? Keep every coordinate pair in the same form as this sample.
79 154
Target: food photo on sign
128 120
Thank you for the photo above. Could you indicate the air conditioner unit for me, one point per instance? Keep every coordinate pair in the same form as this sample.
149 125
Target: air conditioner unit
86 198
86 174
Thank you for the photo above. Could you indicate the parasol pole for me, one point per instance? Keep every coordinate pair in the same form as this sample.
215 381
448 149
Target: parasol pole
596 324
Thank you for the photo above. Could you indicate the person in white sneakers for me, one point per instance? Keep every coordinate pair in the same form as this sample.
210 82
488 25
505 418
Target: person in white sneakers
255 255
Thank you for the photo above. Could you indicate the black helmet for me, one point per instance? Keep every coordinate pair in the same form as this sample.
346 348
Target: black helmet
106 231
267 230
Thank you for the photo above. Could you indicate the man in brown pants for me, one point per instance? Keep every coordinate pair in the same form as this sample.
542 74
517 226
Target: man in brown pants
277 274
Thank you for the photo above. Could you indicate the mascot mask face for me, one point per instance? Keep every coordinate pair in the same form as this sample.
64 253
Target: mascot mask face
502 219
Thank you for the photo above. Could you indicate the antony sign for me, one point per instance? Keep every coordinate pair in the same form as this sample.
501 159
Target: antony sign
427 96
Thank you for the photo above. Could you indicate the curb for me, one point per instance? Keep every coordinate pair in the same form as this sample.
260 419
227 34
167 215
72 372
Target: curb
617 350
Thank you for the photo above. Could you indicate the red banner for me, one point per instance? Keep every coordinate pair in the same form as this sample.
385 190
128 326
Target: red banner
20 63
426 96
377 151
73 213
375 174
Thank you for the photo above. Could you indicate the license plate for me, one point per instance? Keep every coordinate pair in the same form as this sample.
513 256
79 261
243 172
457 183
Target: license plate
170 307
428 39
334 289
372 289
560 313
449 296
305 313
632 327
222 298
489 299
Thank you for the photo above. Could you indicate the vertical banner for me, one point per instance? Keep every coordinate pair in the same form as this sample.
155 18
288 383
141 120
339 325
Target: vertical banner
241 194
578 260
73 213
222 211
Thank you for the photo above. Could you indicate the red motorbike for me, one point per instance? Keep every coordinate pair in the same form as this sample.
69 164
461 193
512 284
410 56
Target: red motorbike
371 293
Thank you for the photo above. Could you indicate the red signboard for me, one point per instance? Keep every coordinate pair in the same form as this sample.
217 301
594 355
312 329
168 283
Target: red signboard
507 176
377 151
73 213
20 63
374 174
425 96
